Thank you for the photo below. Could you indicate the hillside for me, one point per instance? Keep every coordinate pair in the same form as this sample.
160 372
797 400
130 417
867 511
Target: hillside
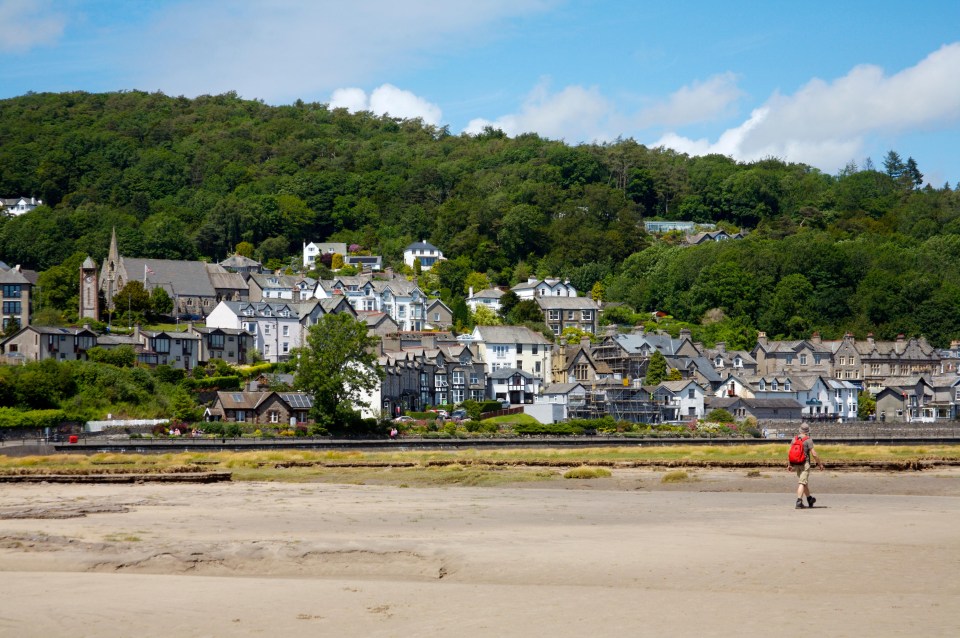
863 251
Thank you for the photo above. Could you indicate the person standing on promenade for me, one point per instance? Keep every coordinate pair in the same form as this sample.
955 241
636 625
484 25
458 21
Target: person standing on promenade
802 466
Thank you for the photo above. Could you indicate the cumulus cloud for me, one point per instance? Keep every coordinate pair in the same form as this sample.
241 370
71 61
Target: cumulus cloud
583 114
575 113
692 104
387 100
280 50
28 23
825 123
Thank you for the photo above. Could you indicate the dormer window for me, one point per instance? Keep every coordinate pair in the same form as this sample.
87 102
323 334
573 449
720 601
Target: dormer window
763 385
718 362
786 385
774 385
738 362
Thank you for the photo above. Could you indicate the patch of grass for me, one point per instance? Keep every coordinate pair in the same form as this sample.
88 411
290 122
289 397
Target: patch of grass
754 474
122 538
677 476
586 472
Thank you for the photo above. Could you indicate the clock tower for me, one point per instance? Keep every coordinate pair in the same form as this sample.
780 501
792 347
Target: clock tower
89 294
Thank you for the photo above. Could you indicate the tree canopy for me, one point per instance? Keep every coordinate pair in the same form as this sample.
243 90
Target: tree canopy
865 250
338 366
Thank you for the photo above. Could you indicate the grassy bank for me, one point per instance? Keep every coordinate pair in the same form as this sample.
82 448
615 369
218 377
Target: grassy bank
458 467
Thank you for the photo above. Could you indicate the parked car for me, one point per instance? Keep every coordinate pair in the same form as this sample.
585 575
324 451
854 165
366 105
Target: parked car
458 415
403 419
505 404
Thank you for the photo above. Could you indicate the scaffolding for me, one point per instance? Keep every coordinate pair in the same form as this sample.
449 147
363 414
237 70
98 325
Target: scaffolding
629 403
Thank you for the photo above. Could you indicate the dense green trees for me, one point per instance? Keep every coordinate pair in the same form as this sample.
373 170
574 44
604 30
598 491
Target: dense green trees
194 179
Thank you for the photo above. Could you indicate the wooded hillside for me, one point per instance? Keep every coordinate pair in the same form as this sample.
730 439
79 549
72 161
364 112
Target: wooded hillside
863 251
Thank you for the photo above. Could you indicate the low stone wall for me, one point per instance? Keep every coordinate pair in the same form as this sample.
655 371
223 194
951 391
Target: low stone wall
863 429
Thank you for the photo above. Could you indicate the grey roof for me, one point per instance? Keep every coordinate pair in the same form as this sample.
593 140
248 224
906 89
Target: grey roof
89 263
229 331
187 278
677 386
510 334
13 276
633 343
489 293
259 308
420 245
567 303
222 279
286 282
171 334
723 402
239 261
561 388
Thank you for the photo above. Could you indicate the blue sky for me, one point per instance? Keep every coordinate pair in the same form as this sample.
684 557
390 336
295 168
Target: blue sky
822 83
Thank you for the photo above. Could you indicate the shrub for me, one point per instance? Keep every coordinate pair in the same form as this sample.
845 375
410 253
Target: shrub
677 476
233 430
585 472
549 429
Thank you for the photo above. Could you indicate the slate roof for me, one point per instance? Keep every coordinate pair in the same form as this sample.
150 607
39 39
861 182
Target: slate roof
510 334
177 277
567 303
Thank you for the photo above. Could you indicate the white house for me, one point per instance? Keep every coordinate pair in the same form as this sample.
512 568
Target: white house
275 325
402 300
18 206
687 396
489 298
514 347
533 288
312 251
427 253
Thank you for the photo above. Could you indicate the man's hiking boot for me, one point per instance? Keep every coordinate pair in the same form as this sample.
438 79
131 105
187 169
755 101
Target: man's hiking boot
800 504
811 501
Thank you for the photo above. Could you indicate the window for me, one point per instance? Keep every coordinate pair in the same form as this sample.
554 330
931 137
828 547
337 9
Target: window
534 348
786 385
556 328
266 328
216 341
774 385
286 347
436 317
11 307
536 367
586 315
458 396
789 359
553 315
571 314
241 416
474 378
458 377
763 385
691 394
274 416
12 291
286 331
803 359
500 352
519 348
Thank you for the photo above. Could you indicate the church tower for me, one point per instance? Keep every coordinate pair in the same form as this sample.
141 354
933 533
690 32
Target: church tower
111 280
89 291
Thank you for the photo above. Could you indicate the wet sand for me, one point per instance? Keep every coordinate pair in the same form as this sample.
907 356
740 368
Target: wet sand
723 555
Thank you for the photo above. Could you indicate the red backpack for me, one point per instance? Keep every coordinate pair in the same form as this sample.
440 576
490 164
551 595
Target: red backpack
798 455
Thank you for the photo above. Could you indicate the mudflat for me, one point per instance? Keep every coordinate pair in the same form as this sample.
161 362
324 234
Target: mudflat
722 553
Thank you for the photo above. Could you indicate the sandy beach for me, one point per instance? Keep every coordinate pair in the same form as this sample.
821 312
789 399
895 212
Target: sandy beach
722 555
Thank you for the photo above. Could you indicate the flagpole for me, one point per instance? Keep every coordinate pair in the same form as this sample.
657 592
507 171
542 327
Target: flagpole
144 276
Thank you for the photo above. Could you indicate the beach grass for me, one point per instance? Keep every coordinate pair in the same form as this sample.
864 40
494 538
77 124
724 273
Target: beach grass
451 467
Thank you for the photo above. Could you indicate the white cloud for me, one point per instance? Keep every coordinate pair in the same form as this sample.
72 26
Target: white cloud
697 102
280 50
387 100
825 123
576 114
28 23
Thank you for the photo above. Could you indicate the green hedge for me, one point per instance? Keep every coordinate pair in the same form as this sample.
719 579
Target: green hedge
13 418
209 383
549 429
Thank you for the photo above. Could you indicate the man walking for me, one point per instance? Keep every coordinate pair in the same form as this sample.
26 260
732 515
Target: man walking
801 454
